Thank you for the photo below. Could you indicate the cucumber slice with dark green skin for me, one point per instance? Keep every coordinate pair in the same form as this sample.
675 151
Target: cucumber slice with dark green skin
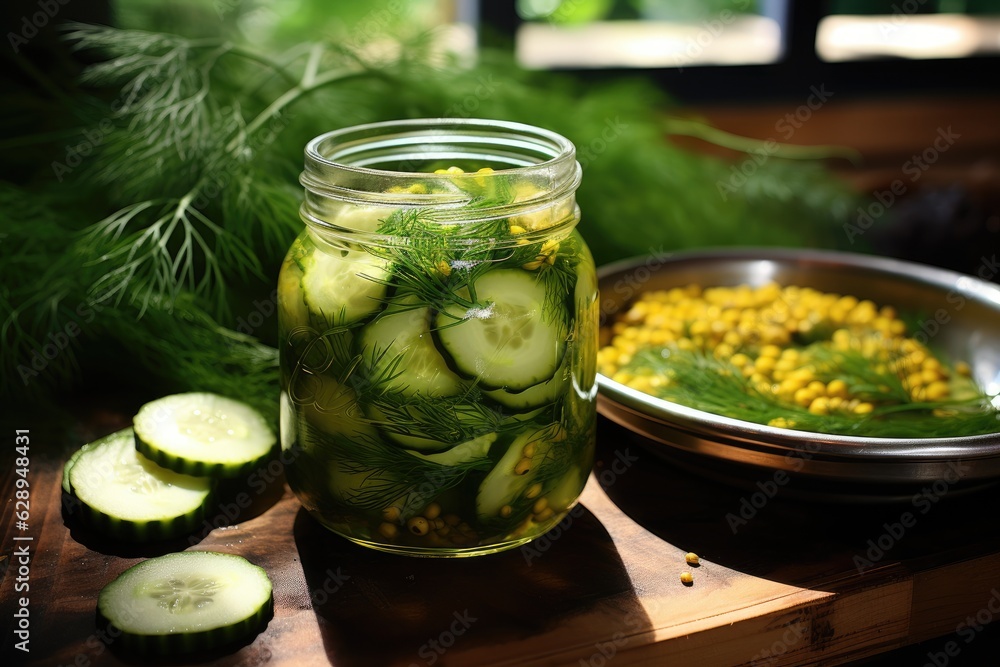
507 340
128 497
203 434
466 452
531 398
566 491
343 286
291 305
406 440
66 486
399 349
504 485
587 308
187 601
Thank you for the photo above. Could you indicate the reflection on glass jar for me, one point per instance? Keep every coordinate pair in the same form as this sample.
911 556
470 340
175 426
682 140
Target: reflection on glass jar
438 336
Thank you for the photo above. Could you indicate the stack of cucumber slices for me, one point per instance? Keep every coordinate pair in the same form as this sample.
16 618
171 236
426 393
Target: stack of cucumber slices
155 481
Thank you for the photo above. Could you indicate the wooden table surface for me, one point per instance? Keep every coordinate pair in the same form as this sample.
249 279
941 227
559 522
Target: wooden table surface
603 588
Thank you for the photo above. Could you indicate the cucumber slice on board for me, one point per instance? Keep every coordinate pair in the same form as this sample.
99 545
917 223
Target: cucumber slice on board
203 434
507 340
127 496
66 486
343 286
399 345
187 601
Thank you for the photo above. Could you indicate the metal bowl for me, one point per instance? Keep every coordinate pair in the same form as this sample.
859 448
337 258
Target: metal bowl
961 316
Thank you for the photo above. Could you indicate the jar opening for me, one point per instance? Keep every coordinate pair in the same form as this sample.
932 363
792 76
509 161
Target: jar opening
459 170
414 148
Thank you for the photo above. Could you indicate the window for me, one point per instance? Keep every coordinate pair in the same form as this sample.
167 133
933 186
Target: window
909 29
720 50
647 33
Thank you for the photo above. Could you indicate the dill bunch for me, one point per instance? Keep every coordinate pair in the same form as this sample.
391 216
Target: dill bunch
160 238
192 352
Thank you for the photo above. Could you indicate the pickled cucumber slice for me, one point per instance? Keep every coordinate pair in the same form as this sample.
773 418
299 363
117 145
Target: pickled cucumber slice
506 484
398 347
291 306
466 452
125 495
362 218
406 440
532 397
585 295
203 434
507 341
327 405
188 601
343 286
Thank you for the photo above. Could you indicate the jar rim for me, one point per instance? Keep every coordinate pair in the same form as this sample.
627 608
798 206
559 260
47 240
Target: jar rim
318 152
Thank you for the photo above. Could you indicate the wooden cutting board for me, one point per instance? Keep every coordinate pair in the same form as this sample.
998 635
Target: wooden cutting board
783 589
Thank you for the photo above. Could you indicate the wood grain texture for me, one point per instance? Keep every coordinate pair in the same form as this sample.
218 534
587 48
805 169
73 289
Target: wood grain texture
604 588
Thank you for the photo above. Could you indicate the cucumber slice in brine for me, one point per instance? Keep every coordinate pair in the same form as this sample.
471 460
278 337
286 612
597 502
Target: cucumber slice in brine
188 601
327 405
534 396
127 496
400 354
291 306
507 340
203 434
406 432
343 285
477 449
518 469
362 218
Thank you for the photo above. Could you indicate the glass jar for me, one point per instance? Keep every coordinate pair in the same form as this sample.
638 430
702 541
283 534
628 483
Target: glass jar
438 336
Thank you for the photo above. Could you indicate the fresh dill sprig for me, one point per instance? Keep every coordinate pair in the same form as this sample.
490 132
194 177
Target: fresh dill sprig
212 184
862 374
192 352
701 381
174 247
45 315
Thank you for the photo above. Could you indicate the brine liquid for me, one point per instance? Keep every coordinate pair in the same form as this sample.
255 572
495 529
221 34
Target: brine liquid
396 444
